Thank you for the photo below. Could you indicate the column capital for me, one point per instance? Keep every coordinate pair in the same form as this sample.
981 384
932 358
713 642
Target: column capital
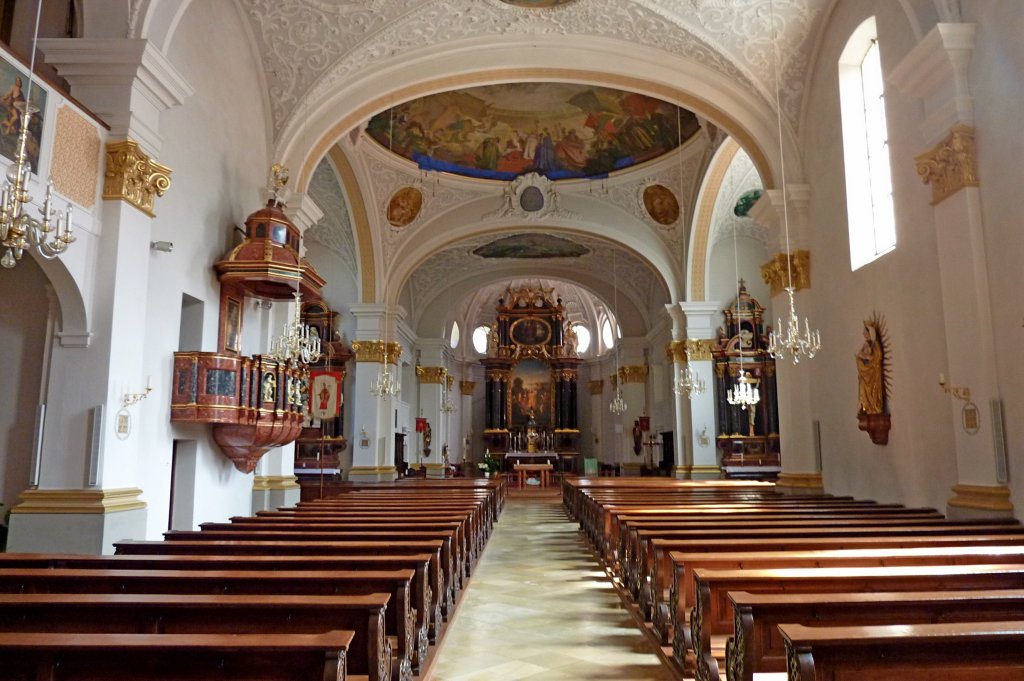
634 374
134 177
377 351
596 387
700 318
431 374
951 165
126 82
776 272
467 387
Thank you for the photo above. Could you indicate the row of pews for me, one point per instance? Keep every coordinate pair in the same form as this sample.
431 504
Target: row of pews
739 582
355 586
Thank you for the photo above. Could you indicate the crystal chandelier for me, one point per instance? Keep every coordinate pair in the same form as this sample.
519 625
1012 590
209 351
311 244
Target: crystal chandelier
618 405
298 342
447 406
50 234
744 393
794 342
386 384
791 342
689 383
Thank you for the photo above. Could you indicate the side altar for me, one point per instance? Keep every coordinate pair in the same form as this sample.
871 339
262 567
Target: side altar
531 370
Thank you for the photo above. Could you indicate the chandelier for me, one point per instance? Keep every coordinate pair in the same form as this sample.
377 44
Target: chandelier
298 342
794 342
744 393
689 383
791 342
447 406
50 233
386 384
618 405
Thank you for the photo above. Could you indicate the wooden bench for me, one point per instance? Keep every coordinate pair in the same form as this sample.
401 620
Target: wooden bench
419 563
369 652
975 651
756 646
181 657
398 619
712 613
438 573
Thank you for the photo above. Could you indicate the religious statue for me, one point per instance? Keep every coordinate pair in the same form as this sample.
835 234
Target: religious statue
269 387
571 341
872 381
870 384
638 435
532 436
492 340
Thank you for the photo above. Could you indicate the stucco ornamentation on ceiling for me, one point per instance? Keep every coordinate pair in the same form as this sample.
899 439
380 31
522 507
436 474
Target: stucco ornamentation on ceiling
311 47
334 230
739 179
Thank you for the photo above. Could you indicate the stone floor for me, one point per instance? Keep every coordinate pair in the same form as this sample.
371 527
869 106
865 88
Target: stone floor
539 607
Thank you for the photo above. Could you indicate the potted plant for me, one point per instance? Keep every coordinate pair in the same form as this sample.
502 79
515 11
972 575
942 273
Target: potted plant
489 464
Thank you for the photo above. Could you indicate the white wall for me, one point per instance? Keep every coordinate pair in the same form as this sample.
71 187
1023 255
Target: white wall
216 144
918 467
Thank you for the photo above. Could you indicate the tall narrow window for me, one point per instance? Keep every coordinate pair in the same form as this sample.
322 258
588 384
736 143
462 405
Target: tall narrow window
869 205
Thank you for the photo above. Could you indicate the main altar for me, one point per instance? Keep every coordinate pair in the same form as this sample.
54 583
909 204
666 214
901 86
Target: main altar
531 373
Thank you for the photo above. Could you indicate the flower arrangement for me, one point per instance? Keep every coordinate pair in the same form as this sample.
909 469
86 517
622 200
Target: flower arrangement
489 464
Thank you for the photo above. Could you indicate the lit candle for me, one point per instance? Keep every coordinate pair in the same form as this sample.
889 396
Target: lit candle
942 379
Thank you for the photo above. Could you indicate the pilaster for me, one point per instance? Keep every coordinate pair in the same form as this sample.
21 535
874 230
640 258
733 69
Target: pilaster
700 321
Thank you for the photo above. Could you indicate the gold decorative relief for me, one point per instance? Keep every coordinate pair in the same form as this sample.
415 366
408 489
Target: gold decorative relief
634 374
76 142
675 351
776 274
134 177
374 351
467 387
699 349
596 387
950 166
431 374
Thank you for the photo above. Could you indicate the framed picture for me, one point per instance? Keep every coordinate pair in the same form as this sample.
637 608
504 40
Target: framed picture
14 88
325 398
530 396
233 325
531 331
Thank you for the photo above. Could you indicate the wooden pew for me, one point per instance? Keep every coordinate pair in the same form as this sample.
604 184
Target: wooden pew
712 612
438 579
369 652
181 657
975 651
398 619
419 563
756 646
663 571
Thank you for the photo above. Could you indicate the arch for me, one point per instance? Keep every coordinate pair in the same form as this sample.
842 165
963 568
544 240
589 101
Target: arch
159 19
337 110
74 318
360 221
699 245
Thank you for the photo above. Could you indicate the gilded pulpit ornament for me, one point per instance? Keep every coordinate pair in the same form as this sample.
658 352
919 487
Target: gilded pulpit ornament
873 378
950 166
133 176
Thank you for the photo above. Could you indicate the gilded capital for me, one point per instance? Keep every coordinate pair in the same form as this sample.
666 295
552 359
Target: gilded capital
675 351
596 387
776 273
377 351
951 165
449 381
431 374
467 387
134 177
634 374
699 349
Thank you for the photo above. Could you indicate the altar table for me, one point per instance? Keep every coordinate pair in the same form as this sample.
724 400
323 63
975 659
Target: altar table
523 471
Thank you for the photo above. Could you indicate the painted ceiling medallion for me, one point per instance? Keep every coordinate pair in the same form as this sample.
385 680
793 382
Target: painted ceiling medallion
531 246
556 130
661 204
404 206
536 4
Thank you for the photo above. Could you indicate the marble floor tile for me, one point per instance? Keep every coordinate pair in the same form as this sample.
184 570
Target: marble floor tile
539 607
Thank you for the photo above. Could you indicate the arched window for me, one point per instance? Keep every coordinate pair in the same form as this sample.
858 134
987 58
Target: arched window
869 205
453 340
607 337
480 339
582 338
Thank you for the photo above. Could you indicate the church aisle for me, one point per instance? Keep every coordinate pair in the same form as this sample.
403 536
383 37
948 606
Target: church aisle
538 607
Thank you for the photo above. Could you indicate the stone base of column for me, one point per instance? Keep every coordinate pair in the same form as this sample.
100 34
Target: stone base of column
705 472
800 483
979 501
372 474
270 492
76 520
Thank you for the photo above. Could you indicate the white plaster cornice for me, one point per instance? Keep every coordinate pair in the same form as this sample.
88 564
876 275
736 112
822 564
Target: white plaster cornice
700 317
935 70
127 82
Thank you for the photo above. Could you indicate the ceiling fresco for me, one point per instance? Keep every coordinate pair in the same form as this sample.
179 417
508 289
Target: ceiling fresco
536 3
559 130
531 246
